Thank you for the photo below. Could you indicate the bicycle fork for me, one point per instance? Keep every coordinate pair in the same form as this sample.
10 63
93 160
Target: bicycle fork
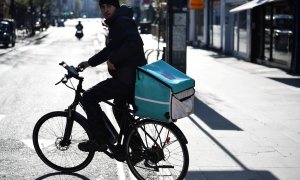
66 140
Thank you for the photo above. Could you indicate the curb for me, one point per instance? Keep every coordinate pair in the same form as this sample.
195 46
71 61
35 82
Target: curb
37 37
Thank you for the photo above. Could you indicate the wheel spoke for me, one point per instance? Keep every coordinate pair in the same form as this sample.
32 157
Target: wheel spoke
48 135
164 155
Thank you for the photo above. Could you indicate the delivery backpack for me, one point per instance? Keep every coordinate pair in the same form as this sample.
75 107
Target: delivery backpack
163 93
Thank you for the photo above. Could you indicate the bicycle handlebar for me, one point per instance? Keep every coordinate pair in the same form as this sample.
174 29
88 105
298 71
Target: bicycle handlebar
72 71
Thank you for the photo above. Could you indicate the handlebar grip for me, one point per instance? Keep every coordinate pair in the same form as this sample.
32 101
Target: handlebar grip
79 69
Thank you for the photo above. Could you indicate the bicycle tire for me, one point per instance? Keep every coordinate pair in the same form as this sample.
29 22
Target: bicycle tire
163 153
47 134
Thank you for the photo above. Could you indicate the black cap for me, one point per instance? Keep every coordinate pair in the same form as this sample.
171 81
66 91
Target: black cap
111 2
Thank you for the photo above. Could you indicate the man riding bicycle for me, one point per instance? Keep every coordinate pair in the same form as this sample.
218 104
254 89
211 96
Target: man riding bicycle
123 54
79 26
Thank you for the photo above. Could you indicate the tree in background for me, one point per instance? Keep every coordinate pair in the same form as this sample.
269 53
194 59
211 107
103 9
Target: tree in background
77 7
122 2
30 13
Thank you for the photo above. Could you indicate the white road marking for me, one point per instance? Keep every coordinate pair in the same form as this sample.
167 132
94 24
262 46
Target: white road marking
2 116
96 43
121 173
132 177
44 143
28 143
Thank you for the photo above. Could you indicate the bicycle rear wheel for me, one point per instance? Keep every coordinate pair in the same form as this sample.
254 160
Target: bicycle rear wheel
47 137
156 151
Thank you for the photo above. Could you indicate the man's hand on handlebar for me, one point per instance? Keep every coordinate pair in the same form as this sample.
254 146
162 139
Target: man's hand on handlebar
83 65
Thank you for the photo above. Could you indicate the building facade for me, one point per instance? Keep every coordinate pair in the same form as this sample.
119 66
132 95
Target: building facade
260 31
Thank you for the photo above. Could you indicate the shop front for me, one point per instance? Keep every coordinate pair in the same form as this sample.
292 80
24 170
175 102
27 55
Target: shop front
229 32
215 34
272 31
196 25
260 31
278 34
237 31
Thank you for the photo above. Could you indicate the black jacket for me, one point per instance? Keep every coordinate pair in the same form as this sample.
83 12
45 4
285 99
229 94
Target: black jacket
125 47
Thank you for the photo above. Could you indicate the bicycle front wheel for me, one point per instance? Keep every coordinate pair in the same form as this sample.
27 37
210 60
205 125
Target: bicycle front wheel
47 140
156 151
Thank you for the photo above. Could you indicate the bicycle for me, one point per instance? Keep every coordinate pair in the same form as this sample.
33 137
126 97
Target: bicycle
152 149
154 54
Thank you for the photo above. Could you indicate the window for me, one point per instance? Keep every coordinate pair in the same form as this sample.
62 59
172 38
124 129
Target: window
215 30
278 33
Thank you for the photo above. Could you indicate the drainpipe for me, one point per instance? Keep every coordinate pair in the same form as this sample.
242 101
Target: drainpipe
295 65
12 9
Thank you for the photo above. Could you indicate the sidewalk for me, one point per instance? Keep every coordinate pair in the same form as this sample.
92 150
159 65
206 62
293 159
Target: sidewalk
23 40
23 37
246 123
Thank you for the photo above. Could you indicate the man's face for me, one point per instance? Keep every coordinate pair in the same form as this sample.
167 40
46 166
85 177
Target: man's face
108 10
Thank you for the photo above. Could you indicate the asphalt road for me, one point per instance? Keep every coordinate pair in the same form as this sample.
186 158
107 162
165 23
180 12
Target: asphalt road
28 73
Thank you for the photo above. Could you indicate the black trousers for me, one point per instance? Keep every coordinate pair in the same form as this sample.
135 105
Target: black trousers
108 89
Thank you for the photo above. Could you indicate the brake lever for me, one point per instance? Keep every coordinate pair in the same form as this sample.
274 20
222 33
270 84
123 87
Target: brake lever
63 80
57 82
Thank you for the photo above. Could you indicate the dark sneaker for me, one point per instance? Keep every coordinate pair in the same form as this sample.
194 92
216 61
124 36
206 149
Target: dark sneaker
91 145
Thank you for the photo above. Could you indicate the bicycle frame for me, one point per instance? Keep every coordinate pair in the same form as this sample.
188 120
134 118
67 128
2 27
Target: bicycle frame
116 149
147 145
71 109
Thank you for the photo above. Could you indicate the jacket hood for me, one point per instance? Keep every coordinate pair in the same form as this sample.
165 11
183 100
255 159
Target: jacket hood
122 11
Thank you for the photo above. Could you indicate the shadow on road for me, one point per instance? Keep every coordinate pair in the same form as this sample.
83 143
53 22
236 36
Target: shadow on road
245 173
219 55
289 81
232 175
212 118
61 175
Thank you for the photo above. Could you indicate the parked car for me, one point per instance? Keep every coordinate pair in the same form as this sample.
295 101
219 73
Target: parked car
7 32
37 25
60 23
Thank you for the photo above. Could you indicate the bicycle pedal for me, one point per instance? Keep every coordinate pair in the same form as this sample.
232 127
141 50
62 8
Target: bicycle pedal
101 148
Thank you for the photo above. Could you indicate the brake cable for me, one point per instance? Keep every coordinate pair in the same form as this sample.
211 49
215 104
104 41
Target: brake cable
70 86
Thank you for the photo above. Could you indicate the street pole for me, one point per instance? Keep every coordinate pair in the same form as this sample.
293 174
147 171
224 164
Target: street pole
32 18
41 15
176 34
295 66
12 9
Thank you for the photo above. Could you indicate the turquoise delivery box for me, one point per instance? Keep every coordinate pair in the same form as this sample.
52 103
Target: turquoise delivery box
163 93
